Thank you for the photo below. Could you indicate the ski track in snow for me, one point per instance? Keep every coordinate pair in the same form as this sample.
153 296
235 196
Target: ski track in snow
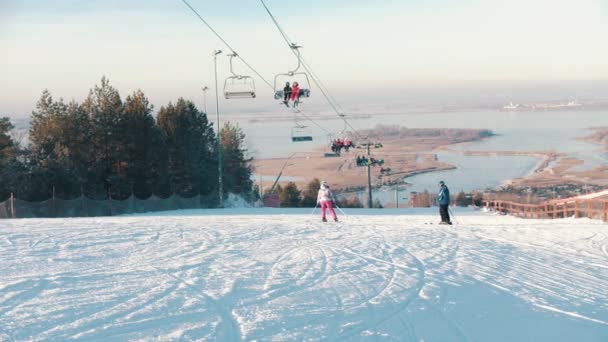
290 277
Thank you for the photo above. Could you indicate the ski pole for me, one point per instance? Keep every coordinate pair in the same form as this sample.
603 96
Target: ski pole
342 211
313 210
453 216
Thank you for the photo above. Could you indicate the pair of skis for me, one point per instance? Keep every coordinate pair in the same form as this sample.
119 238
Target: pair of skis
295 105
340 209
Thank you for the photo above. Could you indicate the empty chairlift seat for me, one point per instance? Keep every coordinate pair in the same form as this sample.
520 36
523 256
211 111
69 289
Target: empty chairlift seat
239 87
301 133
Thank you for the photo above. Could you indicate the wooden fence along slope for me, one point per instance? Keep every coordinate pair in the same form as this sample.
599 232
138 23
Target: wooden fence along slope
576 207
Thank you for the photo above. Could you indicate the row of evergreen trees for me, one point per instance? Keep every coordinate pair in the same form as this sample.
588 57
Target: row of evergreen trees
290 196
107 146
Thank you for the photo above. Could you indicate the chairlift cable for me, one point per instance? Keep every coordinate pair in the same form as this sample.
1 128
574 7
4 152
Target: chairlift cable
200 17
225 42
308 69
293 47
313 121
314 75
321 85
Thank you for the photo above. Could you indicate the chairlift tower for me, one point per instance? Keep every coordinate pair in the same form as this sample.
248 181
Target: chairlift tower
369 173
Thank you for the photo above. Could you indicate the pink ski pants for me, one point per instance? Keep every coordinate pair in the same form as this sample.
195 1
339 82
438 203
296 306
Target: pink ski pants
327 205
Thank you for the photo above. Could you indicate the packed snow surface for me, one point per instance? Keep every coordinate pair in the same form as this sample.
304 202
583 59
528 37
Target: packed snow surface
260 274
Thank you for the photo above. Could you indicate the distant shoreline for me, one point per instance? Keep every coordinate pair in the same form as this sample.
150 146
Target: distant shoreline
407 152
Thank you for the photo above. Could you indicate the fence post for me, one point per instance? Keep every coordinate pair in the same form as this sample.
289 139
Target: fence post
82 203
565 205
606 211
53 208
577 213
13 214
110 200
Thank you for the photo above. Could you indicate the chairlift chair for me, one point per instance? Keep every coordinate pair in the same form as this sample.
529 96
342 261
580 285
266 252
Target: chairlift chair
292 76
301 133
238 86
363 161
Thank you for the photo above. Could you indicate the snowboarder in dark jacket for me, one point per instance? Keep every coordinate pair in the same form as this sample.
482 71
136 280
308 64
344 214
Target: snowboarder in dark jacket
443 198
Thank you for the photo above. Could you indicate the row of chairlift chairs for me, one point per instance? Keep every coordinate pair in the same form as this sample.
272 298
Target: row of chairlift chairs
239 86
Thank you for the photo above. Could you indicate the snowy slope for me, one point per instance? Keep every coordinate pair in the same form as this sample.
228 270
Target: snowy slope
278 275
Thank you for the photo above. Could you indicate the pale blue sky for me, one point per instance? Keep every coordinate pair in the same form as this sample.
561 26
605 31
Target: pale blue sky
160 47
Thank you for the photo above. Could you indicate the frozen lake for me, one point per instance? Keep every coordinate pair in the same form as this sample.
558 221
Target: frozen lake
516 131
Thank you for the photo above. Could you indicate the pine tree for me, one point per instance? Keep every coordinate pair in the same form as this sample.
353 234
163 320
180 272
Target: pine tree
18 174
289 195
353 202
189 154
478 199
59 143
309 195
6 154
377 204
461 200
46 129
236 166
104 109
6 142
141 146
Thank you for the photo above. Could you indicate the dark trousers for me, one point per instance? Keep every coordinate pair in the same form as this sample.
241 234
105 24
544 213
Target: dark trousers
443 211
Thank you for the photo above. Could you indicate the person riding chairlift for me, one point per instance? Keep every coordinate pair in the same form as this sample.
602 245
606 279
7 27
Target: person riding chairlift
295 94
339 144
286 94
347 144
334 146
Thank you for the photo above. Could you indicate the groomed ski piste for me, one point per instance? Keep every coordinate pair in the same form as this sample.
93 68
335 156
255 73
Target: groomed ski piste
283 275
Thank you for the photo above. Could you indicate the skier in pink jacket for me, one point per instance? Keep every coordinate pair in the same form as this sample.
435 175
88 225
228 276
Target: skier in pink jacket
295 94
326 200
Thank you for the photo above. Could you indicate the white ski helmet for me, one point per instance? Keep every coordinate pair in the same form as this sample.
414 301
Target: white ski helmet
324 185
